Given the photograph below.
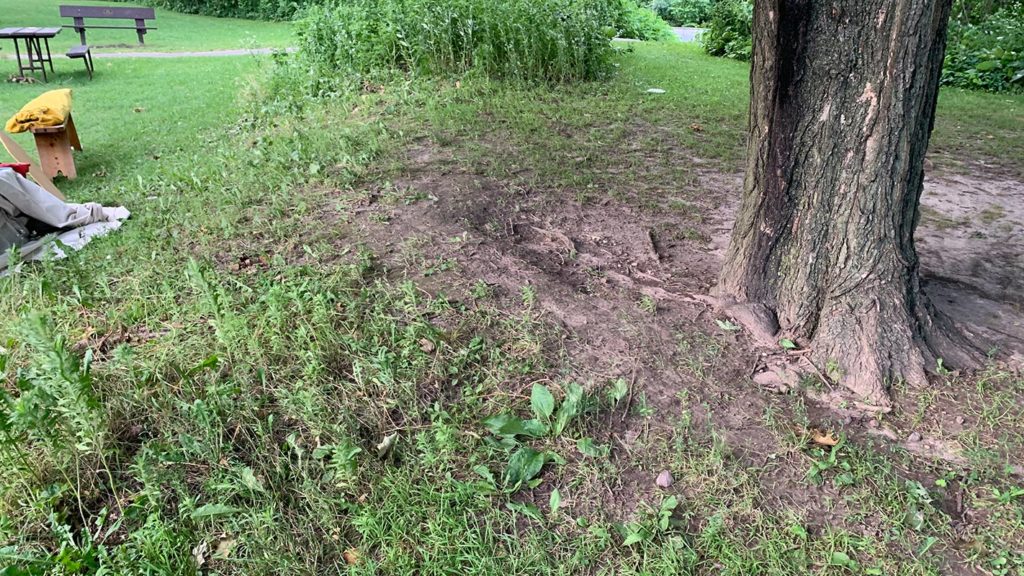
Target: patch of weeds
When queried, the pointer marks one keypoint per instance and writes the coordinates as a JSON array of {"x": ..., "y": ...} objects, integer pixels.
[
  {"x": 481, "y": 290},
  {"x": 656, "y": 524},
  {"x": 395, "y": 195},
  {"x": 992, "y": 214},
  {"x": 528, "y": 294},
  {"x": 700, "y": 353},
  {"x": 683, "y": 207},
  {"x": 692, "y": 234},
  {"x": 828, "y": 463},
  {"x": 440, "y": 265},
  {"x": 938, "y": 220},
  {"x": 648, "y": 305},
  {"x": 380, "y": 218},
  {"x": 525, "y": 463}
]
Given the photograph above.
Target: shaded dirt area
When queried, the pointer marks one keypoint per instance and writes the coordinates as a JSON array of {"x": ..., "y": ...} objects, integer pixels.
[
  {"x": 621, "y": 280},
  {"x": 971, "y": 242}
]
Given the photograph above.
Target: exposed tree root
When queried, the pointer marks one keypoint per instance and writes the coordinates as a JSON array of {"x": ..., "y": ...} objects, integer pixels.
[{"x": 865, "y": 344}]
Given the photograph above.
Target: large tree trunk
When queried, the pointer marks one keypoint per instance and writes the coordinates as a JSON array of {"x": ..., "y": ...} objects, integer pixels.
[{"x": 843, "y": 96}]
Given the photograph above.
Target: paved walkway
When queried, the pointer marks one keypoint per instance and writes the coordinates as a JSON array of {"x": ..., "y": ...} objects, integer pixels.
[
  {"x": 684, "y": 35},
  {"x": 688, "y": 34},
  {"x": 209, "y": 53}
]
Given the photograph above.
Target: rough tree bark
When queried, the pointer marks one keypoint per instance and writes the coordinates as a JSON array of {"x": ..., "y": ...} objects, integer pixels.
[{"x": 843, "y": 96}]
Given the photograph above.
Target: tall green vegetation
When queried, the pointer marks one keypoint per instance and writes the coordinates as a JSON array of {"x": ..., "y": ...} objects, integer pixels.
[
  {"x": 639, "y": 22},
  {"x": 729, "y": 32},
  {"x": 985, "y": 50},
  {"x": 976, "y": 11},
  {"x": 358, "y": 41},
  {"x": 629, "y": 17},
  {"x": 684, "y": 12},
  {"x": 254, "y": 9},
  {"x": 986, "y": 46}
]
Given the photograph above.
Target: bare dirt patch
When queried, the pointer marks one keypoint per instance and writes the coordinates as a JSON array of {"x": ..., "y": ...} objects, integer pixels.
[
  {"x": 971, "y": 242},
  {"x": 615, "y": 277},
  {"x": 620, "y": 280}
]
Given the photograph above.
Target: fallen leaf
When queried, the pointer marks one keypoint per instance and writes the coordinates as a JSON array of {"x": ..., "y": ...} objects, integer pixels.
[
  {"x": 386, "y": 445},
  {"x": 351, "y": 556},
  {"x": 427, "y": 346},
  {"x": 224, "y": 548},
  {"x": 696, "y": 127},
  {"x": 727, "y": 325},
  {"x": 822, "y": 438},
  {"x": 199, "y": 553}
]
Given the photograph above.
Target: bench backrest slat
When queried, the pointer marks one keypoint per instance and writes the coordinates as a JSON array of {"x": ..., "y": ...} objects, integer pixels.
[{"x": 129, "y": 13}]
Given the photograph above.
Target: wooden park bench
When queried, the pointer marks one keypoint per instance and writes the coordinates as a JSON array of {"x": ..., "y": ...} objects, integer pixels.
[{"x": 80, "y": 13}]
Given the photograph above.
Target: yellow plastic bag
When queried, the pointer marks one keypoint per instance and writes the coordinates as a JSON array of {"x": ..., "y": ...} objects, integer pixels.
[{"x": 49, "y": 109}]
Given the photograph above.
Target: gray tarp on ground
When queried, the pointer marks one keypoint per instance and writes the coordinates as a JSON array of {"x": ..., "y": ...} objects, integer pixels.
[{"x": 75, "y": 224}]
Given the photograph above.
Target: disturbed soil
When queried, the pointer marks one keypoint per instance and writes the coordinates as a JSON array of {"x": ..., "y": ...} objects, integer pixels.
[
  {"x": 624, "y": 281},
  {"x": 971, "y": 242}
]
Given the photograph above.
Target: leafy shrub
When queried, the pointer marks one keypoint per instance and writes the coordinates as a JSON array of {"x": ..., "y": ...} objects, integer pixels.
[
  {"x": 684, "y": 12},
  {"x": 255, "y": 9},
  {"x": 977, "y": 11},
  {"x": 530, "y": 40},
  {"x": 639, "y": 22},
  {"x": 730, "y": 31},
  {"x": 988, "y": 55}
]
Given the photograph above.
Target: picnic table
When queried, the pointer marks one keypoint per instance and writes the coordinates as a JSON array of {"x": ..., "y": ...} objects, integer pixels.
[{"x": 34, "y": 38}]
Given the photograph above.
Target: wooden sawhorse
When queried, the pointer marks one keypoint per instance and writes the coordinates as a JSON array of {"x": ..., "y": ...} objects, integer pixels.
[{"x": 54, "y": 144}]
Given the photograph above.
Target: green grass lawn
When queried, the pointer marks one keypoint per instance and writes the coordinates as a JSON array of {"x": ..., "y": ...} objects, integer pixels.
[
  {"x": 215, "y": 380},
  {"x": 139, "y": 113},
  {"x": 175, "y": 32}
]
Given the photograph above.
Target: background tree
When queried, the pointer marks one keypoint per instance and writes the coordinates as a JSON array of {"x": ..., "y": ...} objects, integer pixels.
[{"x": 843, "y": 98}]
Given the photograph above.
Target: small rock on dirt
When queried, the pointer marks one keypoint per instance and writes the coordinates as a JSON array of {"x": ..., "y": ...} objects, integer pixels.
[
  {"x": 915, "y": 437},
  {"x": 664, "y": 479}
]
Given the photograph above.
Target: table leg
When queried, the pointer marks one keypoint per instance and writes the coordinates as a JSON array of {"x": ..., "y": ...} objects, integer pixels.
[
  {"x": 17, "y": 50},
  {"x": 39, "y": 59},
  {"x": 29, "y": 54},
  {"x": 30, "y": 51},
  {"x": 49, "y": 56}
]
